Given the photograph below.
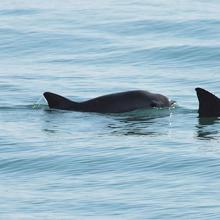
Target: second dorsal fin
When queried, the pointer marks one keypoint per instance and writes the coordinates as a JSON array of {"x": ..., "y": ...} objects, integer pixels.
[{"x": 209, "y": 104}]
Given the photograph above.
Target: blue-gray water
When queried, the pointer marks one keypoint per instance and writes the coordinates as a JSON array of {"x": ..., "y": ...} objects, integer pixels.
[{"x": 161, "y": 164}]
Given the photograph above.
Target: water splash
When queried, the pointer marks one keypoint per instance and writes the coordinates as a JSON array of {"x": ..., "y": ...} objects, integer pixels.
[{"x": 37, "y": 105}]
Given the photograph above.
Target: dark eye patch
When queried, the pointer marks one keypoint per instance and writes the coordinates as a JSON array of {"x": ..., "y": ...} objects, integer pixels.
[{"x": 153, "y": 104}]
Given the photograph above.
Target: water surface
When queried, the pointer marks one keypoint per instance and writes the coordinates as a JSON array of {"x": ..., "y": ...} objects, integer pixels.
[{"x": 161, "y": 164}]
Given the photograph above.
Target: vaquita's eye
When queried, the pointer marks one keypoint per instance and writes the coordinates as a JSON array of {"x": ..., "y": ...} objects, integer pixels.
[{"x": 153, "y": 104}]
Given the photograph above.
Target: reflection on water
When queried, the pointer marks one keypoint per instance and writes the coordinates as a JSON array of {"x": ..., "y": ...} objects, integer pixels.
[
  {"x": 141, "y": 122},
  {"x": 208, "y": 121},
  {"x": 206, "y": 128}
]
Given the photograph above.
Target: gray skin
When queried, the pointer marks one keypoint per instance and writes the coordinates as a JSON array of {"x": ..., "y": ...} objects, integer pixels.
[{"x": 112, "y": 103}]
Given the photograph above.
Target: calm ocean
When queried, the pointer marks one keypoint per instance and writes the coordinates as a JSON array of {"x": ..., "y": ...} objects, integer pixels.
[{"x": 160, "y": 164}]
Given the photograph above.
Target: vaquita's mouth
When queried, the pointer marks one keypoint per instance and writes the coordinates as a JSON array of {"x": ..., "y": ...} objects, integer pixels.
[{"x": 172, "y": 103}]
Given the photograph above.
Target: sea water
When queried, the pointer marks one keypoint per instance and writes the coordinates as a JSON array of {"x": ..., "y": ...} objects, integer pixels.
[{"x": 160, "y": 164}]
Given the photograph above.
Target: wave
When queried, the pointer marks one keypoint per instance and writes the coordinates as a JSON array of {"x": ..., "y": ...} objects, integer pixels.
[
  {"x": 23, "y": 107},
  {"x": 182, "y": 55}
]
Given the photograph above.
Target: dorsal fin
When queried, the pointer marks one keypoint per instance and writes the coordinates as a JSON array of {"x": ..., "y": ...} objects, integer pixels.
[
  {"x": 209, "y": 104},
  {"x": 59, "y": 102}
]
